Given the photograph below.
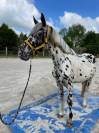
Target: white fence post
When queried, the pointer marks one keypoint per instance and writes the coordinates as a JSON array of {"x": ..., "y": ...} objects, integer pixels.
[
  {"x": 43, "y": 53},
  {"x": 6, "y": 51}
]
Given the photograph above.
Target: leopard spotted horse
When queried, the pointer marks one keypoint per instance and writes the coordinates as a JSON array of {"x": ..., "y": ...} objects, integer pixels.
[{"x": 69, "y": 67}]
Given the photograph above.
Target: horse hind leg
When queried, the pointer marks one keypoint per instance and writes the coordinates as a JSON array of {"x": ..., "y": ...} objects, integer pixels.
[
  {"x": 83, "y": 88},
  {"x": 84, "y": 93},
  {"x": 69, "y": 86}
]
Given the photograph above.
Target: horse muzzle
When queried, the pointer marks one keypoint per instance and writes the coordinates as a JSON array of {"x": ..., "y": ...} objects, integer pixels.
[{"x": 23, "y": 55}]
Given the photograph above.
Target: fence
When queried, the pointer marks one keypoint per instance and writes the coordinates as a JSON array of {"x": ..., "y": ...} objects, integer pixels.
[{"x": 6, "y": 52}]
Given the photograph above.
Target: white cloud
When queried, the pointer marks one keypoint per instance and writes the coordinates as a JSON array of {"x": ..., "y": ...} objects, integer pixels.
[
  {"x": 89, "y": 23},
  {"x": 18, "y": 14}
]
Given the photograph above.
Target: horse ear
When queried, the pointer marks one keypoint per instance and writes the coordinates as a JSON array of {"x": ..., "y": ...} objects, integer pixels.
[
  {"x": 35, "y": 21},
  {"x": 43, "y": 20}
]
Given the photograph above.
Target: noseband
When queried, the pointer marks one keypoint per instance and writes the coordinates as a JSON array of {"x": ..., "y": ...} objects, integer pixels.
[{"x": 34, "y": 49}]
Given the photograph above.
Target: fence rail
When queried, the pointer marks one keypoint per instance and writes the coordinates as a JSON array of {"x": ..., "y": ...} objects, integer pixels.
[{"x": 9, "y": 52}]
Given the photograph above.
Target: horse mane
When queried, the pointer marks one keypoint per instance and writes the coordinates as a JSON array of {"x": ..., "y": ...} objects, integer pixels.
[{"x": 59, "y": 42}]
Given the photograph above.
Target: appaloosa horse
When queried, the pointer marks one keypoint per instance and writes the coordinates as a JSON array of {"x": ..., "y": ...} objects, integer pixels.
[{"x": 68, "y": 66}]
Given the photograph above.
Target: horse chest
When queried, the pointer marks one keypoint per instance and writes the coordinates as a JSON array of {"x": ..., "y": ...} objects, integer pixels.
[{"x": 62, "y": 66}]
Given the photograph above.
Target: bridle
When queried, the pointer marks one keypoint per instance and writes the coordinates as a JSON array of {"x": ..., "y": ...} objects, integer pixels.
[{"x": 46, "y": 38}]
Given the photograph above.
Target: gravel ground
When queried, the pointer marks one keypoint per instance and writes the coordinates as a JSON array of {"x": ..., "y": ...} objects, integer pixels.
[{"x": 13, "y": 76}]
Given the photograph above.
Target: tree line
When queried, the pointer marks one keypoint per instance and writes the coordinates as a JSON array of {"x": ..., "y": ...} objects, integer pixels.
[
  {"x": 80, "y": 40},
  {"x": 10, "y": 40},
  {"x": 76, "y": 37}
]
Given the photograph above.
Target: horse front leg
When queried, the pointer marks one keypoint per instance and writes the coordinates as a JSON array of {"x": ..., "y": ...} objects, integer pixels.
[
  {"x": 69, "y": 86},
  {"x": 61, "y": 94}
]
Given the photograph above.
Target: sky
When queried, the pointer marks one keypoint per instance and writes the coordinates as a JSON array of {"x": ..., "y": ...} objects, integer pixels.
[{"x": 58, "y": 13}]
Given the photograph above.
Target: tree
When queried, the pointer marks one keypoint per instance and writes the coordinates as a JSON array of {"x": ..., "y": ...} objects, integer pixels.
[
  {"x": 91, "y": 43},
  {"x": 8, "y": 38},
  {"x": 74, "y": 36},
  {"x": 63, "y": 32},
  {"x": 22, "y": 37}
]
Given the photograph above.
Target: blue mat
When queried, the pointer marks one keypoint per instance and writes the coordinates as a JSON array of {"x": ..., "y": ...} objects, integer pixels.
[{"x": 40, "y": 116}]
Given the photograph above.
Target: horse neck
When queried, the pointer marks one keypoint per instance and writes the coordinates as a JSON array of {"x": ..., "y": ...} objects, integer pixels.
[
  {"x": 58, "y": 41},
  {"x": 55, "y": 53}
]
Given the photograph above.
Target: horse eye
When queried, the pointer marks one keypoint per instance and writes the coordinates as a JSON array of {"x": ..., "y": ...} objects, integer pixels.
[{"x": 30, "y": 39}]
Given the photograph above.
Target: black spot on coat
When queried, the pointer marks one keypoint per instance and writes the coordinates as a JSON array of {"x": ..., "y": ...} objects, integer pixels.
[
  {"x": 56, "y": 51},
  {"x": 67, "y": 66},
  {"x": 80, "y": 74}
]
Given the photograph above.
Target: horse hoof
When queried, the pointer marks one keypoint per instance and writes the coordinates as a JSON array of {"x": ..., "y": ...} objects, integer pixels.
[
  {"x": 69, "y": 124},
  {"x": 84, "y": 106},
  {"x": 60, "y": 116}
]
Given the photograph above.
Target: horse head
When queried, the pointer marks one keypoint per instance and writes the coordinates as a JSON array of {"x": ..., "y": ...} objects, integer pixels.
[{"x": 36, "y": 40}]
